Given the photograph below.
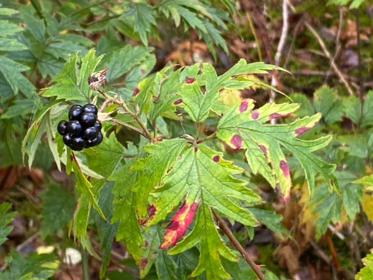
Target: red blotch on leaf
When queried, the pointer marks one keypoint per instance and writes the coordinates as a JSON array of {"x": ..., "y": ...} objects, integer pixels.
[
  {"x": 143, "y": 263},
  {"x": 179, "y": 101},
  {"x": 244, "y": 105},
  {"x": 285, "y": 168},
  {"x": 276, "y": 116},
  {"x": 302, "y": 130},
  {"x": 237, "y": 141},
  {"x": 189, "y": 80},
  {"x": 255, "y": 115},
  {"x": 216, "y": 158},
  {"x": 136, "y": 92},
  {"x": 285, "y": 199},
  {"x": 264, "y": 149},
  {"x": 151, "y": 212},
  {"x": 179, "y": 225}
]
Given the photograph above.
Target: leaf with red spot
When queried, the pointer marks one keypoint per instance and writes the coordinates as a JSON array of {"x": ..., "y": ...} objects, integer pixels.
[
  {"x": 201, "y": 180},
  {"x": 265, "y": 143},
  {"x": 133, "y": 183},
  {"x": 202, "y": 95}
]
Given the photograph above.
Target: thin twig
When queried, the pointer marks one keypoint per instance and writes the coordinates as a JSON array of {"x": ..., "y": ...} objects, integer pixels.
[
  {"x": 337, "y": 38},
  {"x": 121, "y": 103},
  {"x": 326, "y": 52},
  {"x": 227, "y": 231},
  {"x": 280, "y": 47}
]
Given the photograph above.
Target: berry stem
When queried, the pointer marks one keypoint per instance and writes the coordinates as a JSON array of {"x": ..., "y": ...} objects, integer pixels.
[
  {"x": 227, "y": 231},
  {"x": 121, "y": 103}
]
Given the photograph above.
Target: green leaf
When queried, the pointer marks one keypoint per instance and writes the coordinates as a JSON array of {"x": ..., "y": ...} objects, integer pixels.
[
  {"x": 107, "y": 157},
  {"x": 86, "y": 189},
  {"x": 201, "y": 176},
  {"x": 366, "y": 273},
  {"x": 243, "y": 128},
  {"x": 6, "y": 219},
  {"x": 142, "y": 17},
  {"x": 271, "y": 220},
  {"x": 328, "y": 202},
  {"x": 11, "y": 45},
  {"x": 35, "y": 132},
  {"x": 133, "y": 182},
  {"x": 7, "y": 12},
  {"x": 72, "y": 82},
  {"x": 38, "y": 267},
  {"x": 211, "y": 246},
  {"x": 327, "y": 102},
  {"x": 12, "y": 72},
  {"x": 7, "y": 28},
  {"x": 58, "y": 209},
  {"x": 199, "y": 101},
  {"x": 122, "y": 61},
  {"x": 352, "y": 108},
  {"x": 367, "y": 110},
  {"x": 201, "y": 181}
]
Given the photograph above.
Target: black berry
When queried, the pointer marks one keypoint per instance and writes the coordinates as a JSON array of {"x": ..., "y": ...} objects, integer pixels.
[
  {"x": 88, "y": 119},
  {"x": 96, "y": 141},
  {"x": 67, "y": 139},
  {"x": 74, "y": 128},
  {"x": 83, "y": 130},
  {"x": 75, "y": 112},
  {"x": 90, "y": 108},
  {"x": 98, "y": 125},
  {"x": 77, "y": 144},
  {"x": 90, "y": 133},
  {"x": 62, "y": 127}
]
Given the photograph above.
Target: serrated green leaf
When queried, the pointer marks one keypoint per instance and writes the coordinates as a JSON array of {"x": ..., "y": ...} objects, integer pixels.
[
  {"x": 32, "y": 267},
  {"x": 211, "y": 246},
  {"x": 58, "y": 209},
  {"x": 106, "y": 158},
  {"x": 72, "y": 82},
  {"x": 327, "y": 102},
  {"x": 7, "y": 12},
  {"x": 133, "y": 182},
  {"x": 123, "y": 60},
  {"x": 198, "y": 102},
  {"x": 243, "y": 128},
  {"x": 6, "y": 219},
  {"x": 85, "y": 188},
  {"x": 8, "y": 28},
  {"x": 12, "y": 72}
]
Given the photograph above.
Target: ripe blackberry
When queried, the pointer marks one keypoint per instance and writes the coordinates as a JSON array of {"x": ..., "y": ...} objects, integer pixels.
[
  {"x": 90, "y": 133},
  {"x": 62, "y": 127},
  {"x": 96, "y": 141},
  {"x": 74, "y": 128},
  {"x": 83, "y": 130},
  {"x": 77, "y": 144},
  {"x": 75, "y": 112},
  {"x": 88, "y": 119},
  {"x": 90, "y": 108}
]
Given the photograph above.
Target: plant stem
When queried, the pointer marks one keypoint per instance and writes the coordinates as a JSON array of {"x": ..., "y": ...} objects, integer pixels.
[
  {"x": 227, "y": 231},
  {"x": 85, "y": 265},
  {"x": 121, "y": 103}
]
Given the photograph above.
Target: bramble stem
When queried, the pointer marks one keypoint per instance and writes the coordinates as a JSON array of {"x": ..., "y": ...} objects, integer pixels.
[
  {"x": 227, "y": 231},
  {"x": 121, "y": 103}
]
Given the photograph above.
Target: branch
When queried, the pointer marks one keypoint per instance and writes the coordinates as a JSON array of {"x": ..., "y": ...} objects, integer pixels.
[
  {"x": 227, "y": 231},
  {"x": 327, "y": 53},
  {"x": 280, "y": 47},
  {"x": 121, "y": 103}
]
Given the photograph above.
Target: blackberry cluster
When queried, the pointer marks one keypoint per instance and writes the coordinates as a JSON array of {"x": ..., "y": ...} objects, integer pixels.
[{"x": 83, "y": 130}]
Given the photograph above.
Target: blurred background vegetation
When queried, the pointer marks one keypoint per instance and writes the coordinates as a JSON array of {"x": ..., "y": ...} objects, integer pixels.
[{"x": 327, "y": 46}]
